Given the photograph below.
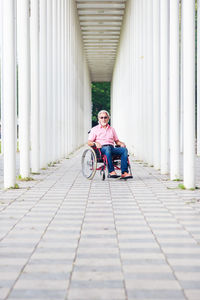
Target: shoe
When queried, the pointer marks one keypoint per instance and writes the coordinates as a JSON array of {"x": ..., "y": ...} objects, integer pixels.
[
  {"x": 126, "y": 176},
  {"x": 114, "y": 175}
]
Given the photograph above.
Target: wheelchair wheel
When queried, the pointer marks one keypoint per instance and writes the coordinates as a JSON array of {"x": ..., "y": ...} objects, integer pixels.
[{"x": 89, "y": 163}]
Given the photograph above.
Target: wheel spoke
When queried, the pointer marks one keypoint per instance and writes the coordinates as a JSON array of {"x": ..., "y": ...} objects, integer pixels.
[{"x": 89, "y": 163}]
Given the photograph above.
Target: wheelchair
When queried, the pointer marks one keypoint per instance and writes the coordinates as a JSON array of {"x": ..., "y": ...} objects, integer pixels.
[{"x": 93, "y": 160}]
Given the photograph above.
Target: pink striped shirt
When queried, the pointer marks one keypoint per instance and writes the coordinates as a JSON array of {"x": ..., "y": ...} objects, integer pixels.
[{"x": 104, "y": 136}]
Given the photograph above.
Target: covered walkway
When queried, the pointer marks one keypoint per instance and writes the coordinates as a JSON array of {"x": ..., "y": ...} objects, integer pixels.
[
  {"x": 64, "y": 237},
  {"x": 52, "y": 50}
]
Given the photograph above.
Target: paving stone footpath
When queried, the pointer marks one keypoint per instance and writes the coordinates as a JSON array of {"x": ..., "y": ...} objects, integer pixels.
[{"x": 65, "y": 237}]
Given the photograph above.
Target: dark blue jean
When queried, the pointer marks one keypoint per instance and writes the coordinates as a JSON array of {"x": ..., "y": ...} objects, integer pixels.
[{"x": 109, "y": 151}]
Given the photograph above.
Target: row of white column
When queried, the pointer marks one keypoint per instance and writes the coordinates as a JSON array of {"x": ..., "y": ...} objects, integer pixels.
[
  {"x": 154, "y": 82},
  {"x": 41, "y": 40}
]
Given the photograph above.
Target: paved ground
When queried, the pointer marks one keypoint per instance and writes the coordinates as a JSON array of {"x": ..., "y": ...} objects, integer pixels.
[{"x": 64, "y": 237}]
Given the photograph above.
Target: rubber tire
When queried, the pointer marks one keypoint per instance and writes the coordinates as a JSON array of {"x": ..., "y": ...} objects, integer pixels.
[{"x": 94, "y": 158}]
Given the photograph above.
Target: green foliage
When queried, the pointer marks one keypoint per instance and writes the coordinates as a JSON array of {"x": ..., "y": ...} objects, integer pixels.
[
  {"x": 181, "y": 186},
  {"x": 16, "y": 186},
  {"x": 100, "y": 99},
  {"x": 177, "y": 179},
  {"x": 24, "y": 178},
  {"x": 51, "y": 164}
]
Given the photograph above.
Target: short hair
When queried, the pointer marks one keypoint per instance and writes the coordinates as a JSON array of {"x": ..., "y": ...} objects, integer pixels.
[{"x": 103, "y": 111}]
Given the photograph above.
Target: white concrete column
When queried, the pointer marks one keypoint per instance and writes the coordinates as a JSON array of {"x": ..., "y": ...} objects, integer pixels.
[
  {"x": 174, "y": 91},
  {"x": 35, "y": 111},
  {"x": 133, "y": 106},
  {"x": 43, "y": 84},
  {"x": 70, "y": 95},
  {"x": 9, "y": 95},
  {"x": 156, "y": 84},
  {"x": 1, "y": 70},
  {"x": 67, "y": 74},
  {"x": 164, "y": 83},
  {"x": 136, "y": 80},
  {"x": 149, "y": 81},
  {"x": 181, "y": 84},
  {"x": 66, "y": 83},
  {"x": 73, "y": 55},
  {"x": 54, "y": 79},
  {"x": 59, "y": 78},
  {"x": 198, "y": 78},
  {"x": 75, "y": 85},
  {"x": 64, "y": 77},
  {"x": 62, "y": 80},
  {"x": 23, "y": 53},
  {"x": 188, "y": 15},
  {"x": 49, "y": 106},
  {"x": 141, "y": 76},
  {"x": 71, "y": 76},
  {"x": 144, "y": 82}
]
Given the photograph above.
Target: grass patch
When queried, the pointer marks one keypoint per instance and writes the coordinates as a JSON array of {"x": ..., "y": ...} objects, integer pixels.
[
  {"x": 25, "y": 178},
  {"x": 178, "y": 179},
  {"x": 51, "y": 165},
  {"x": 181, "y": 186},
  {"x": 55, "y": 162},
  {"x": 15, "y": 187},
  {"x": 195, "y": 188},
  {"x": 192, "y": 201}
]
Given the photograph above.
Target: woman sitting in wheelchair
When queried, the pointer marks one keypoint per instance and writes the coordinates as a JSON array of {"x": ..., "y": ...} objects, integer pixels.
[{"x": 104, "y": 137}]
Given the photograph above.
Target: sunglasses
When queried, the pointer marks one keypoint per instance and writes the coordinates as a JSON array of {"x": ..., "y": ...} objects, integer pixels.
[{"x": 103, "y": 117}]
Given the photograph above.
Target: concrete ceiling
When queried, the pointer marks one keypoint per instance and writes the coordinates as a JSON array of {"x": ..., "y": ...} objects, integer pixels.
[{"x": 100, "y": 23}]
